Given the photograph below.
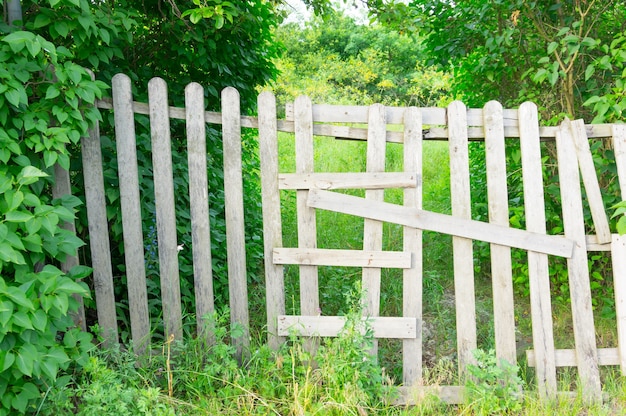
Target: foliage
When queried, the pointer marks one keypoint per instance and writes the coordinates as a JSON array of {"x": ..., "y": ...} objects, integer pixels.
[
  {"x": 493, "y": 387},
  {"x": 336, "y": 61},
  {"x": 620, "y": 211},
  {"x": 46, "y": 105}
]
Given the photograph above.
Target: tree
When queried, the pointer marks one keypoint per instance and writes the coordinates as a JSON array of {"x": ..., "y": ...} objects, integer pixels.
[{"x": 335, "y": 60}]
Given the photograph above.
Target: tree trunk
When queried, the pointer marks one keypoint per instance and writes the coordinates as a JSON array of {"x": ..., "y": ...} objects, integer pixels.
[{"x": 14, "y": 11}]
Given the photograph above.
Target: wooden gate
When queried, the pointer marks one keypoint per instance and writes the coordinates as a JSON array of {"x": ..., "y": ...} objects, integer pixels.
[
  {"x": 323, "y": 191},
  {"x": 457, "y": 125}
]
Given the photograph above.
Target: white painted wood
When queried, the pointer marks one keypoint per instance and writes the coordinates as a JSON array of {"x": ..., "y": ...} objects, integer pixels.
[
  {"x": 99, "y": 246},
  {"x": 593, "y": 245},
  {"x": 538, "y": 271},
  {"x": 307, "y": 230},
  {"x": 272, "y": 225},
  {"x": 412, "y": 278},
  {"x": 235, "y": 224},
  {"x": 199, "y": 209},
  {"x": 590, "y": 180},
  {"x": 446, "y": 224},
  {"x": 331, "y": 326},
  {"x": 373, "y": 229},
  {"x": 349, "y": 180},
  {"x": 577, "y": 267},
  {"x": 60, "y": 188},
  {"x": 165, "y": 211},
  {"x": 619, "y": 147},
  {"x": 618, "y": 258},
  {"x": 462, "y": 247},
  {"x": 567, "y": 357},
  {"x": 131, "y": 212},
  {"x": 498, "y": 202},
  {"x": 344, "y": 258}
]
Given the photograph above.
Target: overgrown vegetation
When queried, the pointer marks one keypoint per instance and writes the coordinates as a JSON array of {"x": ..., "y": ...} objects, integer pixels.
[{"x": 567, "y": 56}]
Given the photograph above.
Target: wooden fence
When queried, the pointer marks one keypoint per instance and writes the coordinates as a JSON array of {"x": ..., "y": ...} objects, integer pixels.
[{"x": 457, "y": 125}]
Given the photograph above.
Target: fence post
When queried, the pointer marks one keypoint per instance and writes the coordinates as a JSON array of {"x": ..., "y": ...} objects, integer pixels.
[
  {"x": 272, "y": 224},
  {"x": 235, "y": 224},
  {"x": 462, "y": 247},
  {"x": 538, "y": 273},
  {"x": 164, "y": 204},
  {"x": 131, "y": 211},
  {"x": 199, "y": 208}
]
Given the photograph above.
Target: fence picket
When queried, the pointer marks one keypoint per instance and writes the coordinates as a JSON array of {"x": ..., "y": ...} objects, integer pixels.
[
  {"x": 165, "y": 211},
  {"x": 538, "y": 273},
  {"x": 131, "y": 212},
  {"x": 498, "y": 200},
  {"x": 462, "y": 248},
  {"x": 99, "y": 245},
  {"x": 307, "y": 234},
  {"x": 272, "y": 224},
  {"x": 412, "y": 283},
  {"x": 199, "y": 208},
  {"x": 577, "y": 266},
  {"x": 235, "y": 224},
  {"x": 372, "y": 229},
  {"x": 618, "y": 247}
]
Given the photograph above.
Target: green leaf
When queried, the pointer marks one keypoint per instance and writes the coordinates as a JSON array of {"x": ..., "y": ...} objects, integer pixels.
[
  {"x": 30, "y": 174},
  {"x": 61, "y": 28},
  {"x": 41, "y": 20},
  {"x": 621, "y": 226},
  {"x": 39, "y": 320},
  {"x": 6, "y": 360},
  {"x": 18, "y": 216},
  {"x": 25, "y": 360},
  {"x": 552, "y": 47},
  {"x": 52, "y": 92},
  {"x": 21, "y": 319},
  {"x": 80, "y": 272},
  {"x": 19, "y": 297}
]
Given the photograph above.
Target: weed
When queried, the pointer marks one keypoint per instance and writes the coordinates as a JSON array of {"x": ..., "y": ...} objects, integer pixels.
[{"x": 493, "y": 387}]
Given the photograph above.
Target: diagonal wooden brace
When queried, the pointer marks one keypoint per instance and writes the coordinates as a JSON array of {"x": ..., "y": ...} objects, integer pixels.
[{"x": 446, "y": 224}]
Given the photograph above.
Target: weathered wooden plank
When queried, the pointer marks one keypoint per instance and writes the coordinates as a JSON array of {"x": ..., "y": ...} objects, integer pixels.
[
  {"x": 99, "y": 246},
  {"x": 462, "y": 247},
  {"x": 345, "y": 258},
  {"x": 165, "y": 211},
  {"x": 618, "y": 247},
  {"x": 349, "y": 180},
  {"x": 432, "y": 116},
  {"x": 577, "y": 267},
  {"x": 412, "y": 283},
  {"x": 538, "y": 271},
  {"x": 131, "y": 212},
  {"x": 235, "y": 224},
  {"x": 417, "y": 395},
  {"x": 590, "y": 180},
  {"x": 498, "y": 202},
  {"x": 567, "y": 357},
  {"x": 618, "y": 258},
  {"x": 593, "y": 245},
  {"x": 199, "y": 209},
  {"x": 60, "y": 188},
  {"x": 307, "y": 231},
  {"x": 441, "y": 223},
  {"x": 373, "y": 229},
  {"x": 331, "y": 326},
  {"x": 272, "y": 225}
]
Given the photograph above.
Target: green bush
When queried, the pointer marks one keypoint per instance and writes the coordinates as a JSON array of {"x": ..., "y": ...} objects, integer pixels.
[{"x": 46, "y": 105}]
